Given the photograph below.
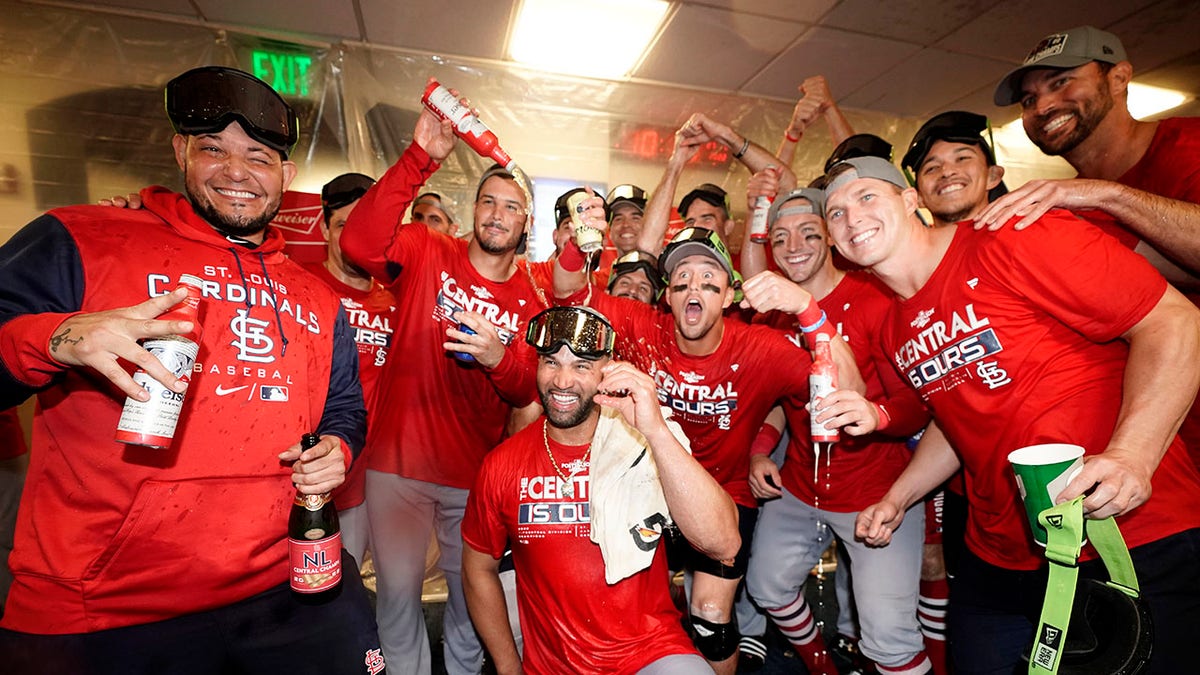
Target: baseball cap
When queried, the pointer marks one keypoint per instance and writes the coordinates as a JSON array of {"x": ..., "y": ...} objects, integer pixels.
[
  {"x": 863, "y": 167},
  {"x": 707, "y": 192},
  {"x": 206, "y": 100},
  {"x": 782, "y": 207},
  {"x": 956, "y": 126},
  {"x": 1069, "y": 49},
  {"x": 860, "y": 145},
  {"x": 699, "y": 241},
  {"x": 436, "y": 200},
  {"x": 626, "y": 193},
  {"x": 632, "y": 262},
  {"x": 345, "y": 189}
]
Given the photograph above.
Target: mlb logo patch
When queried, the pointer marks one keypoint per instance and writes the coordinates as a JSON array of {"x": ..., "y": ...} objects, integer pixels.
[{"x": 273, "y": 393}]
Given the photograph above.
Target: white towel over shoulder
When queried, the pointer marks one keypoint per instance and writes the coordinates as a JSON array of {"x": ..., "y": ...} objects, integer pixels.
[{"x": 626, "y": 503}]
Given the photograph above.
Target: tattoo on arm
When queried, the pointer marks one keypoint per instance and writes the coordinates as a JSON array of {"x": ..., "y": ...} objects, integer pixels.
[{"x": 61, "y": 338}]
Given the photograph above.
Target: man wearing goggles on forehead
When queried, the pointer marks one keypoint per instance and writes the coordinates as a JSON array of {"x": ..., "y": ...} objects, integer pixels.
[
  {"x": 951, "y": 161},
  {"x": 635, "y": 275},
  {"x": 566, "y": 492},
  {"x": 449, "y": 392},
  {"x": 139, "y": 560},
  {"x": 720, "y": 378}
]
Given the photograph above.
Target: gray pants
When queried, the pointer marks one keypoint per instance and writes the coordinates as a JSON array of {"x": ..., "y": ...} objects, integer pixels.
[
  {"x": 12, "y": 482},
  {"x": 402, "y": 513},
  {"x": 886, "y": 579},
  {"x": 678, "y": 664},
  {"x": 356, "y": 534}
]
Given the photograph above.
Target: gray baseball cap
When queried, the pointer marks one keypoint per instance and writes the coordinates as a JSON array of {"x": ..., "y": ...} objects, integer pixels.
[
  {"x": 863, "y": 167},
  {"x": 783, "y": 206},
  {"x": 1069, "y": 49}
]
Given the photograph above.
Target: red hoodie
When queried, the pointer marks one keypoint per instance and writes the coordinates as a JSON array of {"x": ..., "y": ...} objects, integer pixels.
[{"x": 110, "y": 535}]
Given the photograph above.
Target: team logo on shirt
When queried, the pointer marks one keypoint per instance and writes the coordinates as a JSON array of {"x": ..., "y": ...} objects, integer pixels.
[
  {"x": 691, "y": 377},
  {"x": 922, "y": 319},
  {"x": 453, "y": 298},
  {"x": 695, "y": 400},
  {"x": 940, "y": 354}
]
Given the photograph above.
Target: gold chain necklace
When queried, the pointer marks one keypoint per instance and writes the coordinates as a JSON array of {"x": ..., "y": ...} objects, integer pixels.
[{"x": 568, "y": 480}]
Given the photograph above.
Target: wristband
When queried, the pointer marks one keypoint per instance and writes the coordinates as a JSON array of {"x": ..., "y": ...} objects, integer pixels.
[
  {"x": 766, "y": 440},
  {"x": 745, "y": 147},
  {"x": 884, "y": 418},
  {"x": 571, "y": 259},
  {"x": 788, "y": 135},
  {"x": 814, "y": 326}
]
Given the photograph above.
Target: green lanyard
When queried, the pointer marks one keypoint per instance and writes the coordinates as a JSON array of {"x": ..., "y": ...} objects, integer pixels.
[{"x": 1065, "y": 528}]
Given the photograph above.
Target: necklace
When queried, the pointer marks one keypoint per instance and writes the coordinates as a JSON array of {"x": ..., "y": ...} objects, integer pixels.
[{"x": 568, "y": 480}]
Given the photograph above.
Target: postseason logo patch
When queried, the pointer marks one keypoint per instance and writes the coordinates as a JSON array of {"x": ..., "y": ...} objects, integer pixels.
[
  {"x": 1049, "y": 644},
  {"x": 1052, "y": 45}
]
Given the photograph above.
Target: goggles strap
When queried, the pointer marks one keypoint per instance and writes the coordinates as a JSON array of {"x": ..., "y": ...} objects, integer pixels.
[{"x": 1065, "y": 528}]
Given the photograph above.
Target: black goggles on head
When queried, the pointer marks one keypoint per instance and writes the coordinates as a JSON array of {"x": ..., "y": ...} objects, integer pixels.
[
  {"x": 859, "y": 145},
  {"x": 205, "y": 100},
  {"x": 582, "y": 329},
  {"x": 957, "y": 126},
  {"x": 633, "y": 261},
  {"x": 345, "y": 189},
  {"x": 627, "y": 193}
]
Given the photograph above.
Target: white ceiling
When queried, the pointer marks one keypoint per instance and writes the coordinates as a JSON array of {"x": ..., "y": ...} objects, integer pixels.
[{"x": 910, "y": 58}]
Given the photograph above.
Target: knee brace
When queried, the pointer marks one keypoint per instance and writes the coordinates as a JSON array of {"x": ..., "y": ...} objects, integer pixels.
[{"x": 716, "y": 641}]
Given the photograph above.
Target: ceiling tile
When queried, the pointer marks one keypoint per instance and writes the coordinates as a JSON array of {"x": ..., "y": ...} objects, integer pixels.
[
  {"x": 180, "y": 7},
  {"x": 980, "y": 101},
  {"x": 909, "y": 90},
  {"x": 1161, "y": 33},
  {"x": 707, "y": 47},
  {"x": 1011, "y": 28},
  {"x": 311, "y": 17},
  {"x": 464, "y": 27},
  {"x": 847, "y": 60},
  {"x": 916, "y": 21},
  {"x": 795, "y": 10}
]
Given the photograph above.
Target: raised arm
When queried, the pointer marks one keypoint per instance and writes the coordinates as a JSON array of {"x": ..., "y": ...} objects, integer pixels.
[
  {"x": 752, "y": 155},
  {"x": 657, "y": 216},
  {"x": 703, "y": 510},
  {"x": 369, "y": 237},
  {"x": 815, "y": 102}
]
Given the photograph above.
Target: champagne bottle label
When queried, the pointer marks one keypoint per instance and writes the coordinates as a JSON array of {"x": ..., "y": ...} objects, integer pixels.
[
  {"x": 316, "y": 565},
  {"x": 820, "y": 386},
  {"x": 312, "y": 502},
  {"x": 758, "y": 219}
]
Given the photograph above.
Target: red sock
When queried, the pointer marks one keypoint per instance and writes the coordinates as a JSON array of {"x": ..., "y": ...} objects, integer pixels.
[
  {"x": 931, "y": 613},
  {"x": 799, "y": 626}
]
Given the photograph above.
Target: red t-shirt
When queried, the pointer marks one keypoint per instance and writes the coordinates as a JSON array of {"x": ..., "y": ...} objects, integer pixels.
[
  {"x": 1013, "y": 342},
  {"x": 437, "y": 416},
  {"x": 720, "y": 400},
  {"x": 370, "y": 315},
  {"x": 860, "y": 468},
  {"x": 1171, "y": 168},
  {"x": 572, "y": 620}
]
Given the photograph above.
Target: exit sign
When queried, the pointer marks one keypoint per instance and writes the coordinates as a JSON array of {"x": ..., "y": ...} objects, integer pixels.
[{"x": 286, "y": 73}]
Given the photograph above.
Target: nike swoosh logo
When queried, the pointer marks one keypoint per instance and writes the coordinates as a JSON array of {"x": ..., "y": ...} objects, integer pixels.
[{"x": 222, "y": 391}]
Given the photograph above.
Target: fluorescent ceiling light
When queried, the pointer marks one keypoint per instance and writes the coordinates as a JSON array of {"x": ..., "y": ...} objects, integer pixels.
[
  {"x": 1145, "y": 100},
  {"x": 592, "y": 38}
]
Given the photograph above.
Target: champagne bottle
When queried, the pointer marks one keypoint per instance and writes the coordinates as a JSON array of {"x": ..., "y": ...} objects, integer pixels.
[
  {"x": 822, "y": 381},
  {"x": 467, "y": 124},
  {"x": 152, "y": 423},
  {"x": 314, "y": 543}
]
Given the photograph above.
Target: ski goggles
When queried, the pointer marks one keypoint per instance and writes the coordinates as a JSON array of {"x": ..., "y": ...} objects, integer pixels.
[
  {"x": 345, "y": 189},
  {"x": 630, "y": 194},
  {"x": 205, "y": 100},
  {"x": 582, "y": 329},
  {"x": 956, "y": 126},
  {"x": 859, "y": 145},
  {"x": 632, "y": 262}
]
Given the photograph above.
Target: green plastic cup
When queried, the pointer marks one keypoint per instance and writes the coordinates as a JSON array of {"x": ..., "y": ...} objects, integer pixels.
[{"x": 1042, "y": 472}]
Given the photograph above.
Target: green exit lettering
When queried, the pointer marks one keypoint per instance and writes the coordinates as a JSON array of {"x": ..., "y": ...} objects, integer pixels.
[{"x": 286, "y": 73}]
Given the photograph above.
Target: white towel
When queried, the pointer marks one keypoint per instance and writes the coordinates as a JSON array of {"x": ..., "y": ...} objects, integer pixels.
[{"x": 626, "y": 503}]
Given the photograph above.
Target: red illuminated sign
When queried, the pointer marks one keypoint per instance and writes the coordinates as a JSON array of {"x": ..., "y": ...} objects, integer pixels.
[{"x": 654, "y": 144}]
